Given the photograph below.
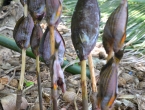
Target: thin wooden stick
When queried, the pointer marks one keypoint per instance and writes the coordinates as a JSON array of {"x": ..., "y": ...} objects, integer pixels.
[
  {"x": 21, "y": 82},
  {"x": 54, "y": 87},
  {"x": 92, "y": 73},
  {"x": 25, "y": 10},
  {"x": 93, "y": 81},
  {"x": 52, "y": 40},
  {"x": 39, "y": 81},
  {"x": 20, "y": 86},
  {"x": 84, "y": 85}
]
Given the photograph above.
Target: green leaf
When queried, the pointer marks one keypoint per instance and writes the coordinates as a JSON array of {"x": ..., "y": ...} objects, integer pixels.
[{"x": 28, "y": 83}]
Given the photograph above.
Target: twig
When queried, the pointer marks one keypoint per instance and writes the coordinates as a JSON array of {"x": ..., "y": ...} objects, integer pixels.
[
  {"x": 2, "y": 16},
  {"x": 138, "y": 102},
  {"x": 28, "y": 88},
  {"x": 46, "y": 104},
  {"x": 126, "y": 97},
  {"x": 68, "y": 105},
  {"x": 76, "y": 108},
  {"x": 78, "y": 76},
  {"x": 12, "y": 76},
  {"x": 6, "y": 27},
  {"x": 6, "y": 72},
  {"x": 10, "y": 86}
]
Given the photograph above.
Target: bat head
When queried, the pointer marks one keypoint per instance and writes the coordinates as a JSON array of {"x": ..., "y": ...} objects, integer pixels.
[{"x": 119, "y": 54}]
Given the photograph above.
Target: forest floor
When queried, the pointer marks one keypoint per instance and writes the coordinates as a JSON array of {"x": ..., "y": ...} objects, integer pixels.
[{"x": 131, "y": 95}]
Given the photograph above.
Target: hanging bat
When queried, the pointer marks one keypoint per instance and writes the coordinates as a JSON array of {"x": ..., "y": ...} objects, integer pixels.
[
  {"x": 36, "y": 9},
  {"x": 44, "y": 48},
  {"x": 108, "y": 86},
  {"x": 115, "y": 29},
  {"x": 58, "y": 76},
  {"x": 22, "y": 31},
  {"x": 53, "y": 11}
]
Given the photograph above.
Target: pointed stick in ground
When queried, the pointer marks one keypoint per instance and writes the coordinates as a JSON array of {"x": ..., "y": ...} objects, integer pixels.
[
  {"x": 93, "y": 81},
  {"x": 39, "y": 82},
  {"x": 20, "y": 86},
  {"x": 84, "y": 85},
  {"x": 54, "y": 87},
  {"x": 52, "y": 39}
]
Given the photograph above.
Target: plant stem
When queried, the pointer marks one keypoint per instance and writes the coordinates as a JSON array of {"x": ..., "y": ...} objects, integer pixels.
[
  {"x": 84, "y": 85},
  {"x": 39, "y": 82},
  {"x": 93, "y": 81},
  {"x": 20, "y": 86}
]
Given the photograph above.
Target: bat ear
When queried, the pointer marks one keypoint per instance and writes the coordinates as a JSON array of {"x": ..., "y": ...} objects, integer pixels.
[
  {"x": 57, "y": 44},
  {"x": 61, "y": 1}
]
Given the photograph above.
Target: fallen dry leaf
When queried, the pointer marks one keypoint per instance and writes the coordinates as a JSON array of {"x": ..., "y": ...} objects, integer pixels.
[
  {"x": 46, "y": 97},
  {"x": 36, "y": 107},
  {"x": 121, "y": 82},
  {"x": 9, "y": 102},
  {"x": 4, "y": 80},
  {"x": 1, "y": 86}
]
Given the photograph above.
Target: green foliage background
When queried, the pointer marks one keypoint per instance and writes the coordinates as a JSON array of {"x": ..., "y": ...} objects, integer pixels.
[{"x": 136, "y": 21}]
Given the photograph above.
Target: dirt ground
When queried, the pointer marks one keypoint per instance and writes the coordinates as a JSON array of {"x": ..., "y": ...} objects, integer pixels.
[{"x": 131, "y": 95}]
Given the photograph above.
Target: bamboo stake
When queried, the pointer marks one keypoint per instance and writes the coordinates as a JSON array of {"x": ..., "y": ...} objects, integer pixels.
[
  {"x": 39, "y": 82},
  {"x": 52, "y": 40},
  {"x": 93, "y": 81},
  {"x": 20, "y": 86},
  {"x": 54, "y": 87},
  {"x": 25, "y": 10},
  {"x": 84, "y": 85},
  {"x": 92, "y": 73}
]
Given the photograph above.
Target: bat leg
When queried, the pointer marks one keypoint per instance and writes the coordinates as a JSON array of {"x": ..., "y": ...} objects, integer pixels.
[{"x": 110, "y": 103}]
